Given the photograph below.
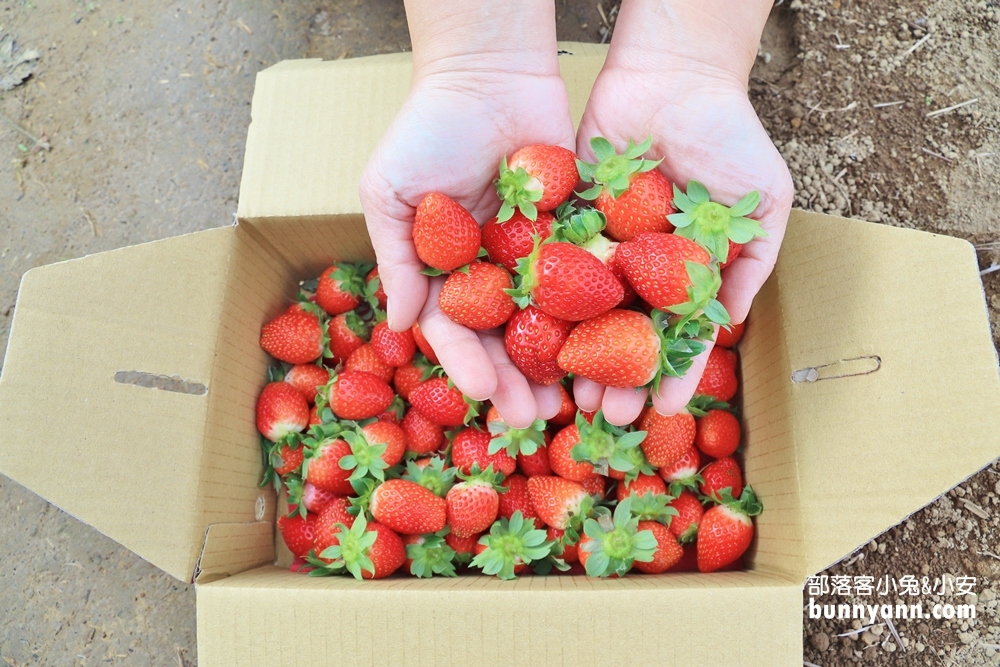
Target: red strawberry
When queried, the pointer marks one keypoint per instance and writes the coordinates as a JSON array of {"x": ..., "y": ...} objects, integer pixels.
[
  {"x": 731, "y": 336},
  {"x": 295, "y": 336},
  {"x": 566, "y": 282},
  {"x": 441, "y": 403},
  {"x": 718, "y": 433},
  {"x": 509, "y": 241},
  {"x": 366, "y": 360},
  {"x": 422, "y": 435},
  {"x": 308, "y": 379},
  {"x": 657, "y": 267},
  {"x": 423, "y": 345},
  {"x": 721, "y": 474},
  {"x": 297, "y": 532},
  {"x": 446, "y": 235},
  {"x": 358, "y": 395},
  {"x": 668, "y": 551},
  {"x": 388, "y": 434},
  {"x": 407, "y": 507},
  {"x": 536, "y": 178},
  {"x": 409, "y": 376},
  {"x": 478, "y": 299},
  {"x": 559, "y": 502},
  {"x": 684, "y": 472},
  {"x": 734, "y": 252},
  {"x": 364, "y": 555},
  {"x": 688, "y": 561},
  {"x": 620, "y": 348},
  {"x": 726, "y": 531},
  {"x": 689, "y": 513},
  {"x": 569, "y": 551},
  {"x": 560, "y": 457},
  {"x": 322, "y": 466},
  {"x": 629, "y": 296},
  {"x": 339, "y": 288},
  {"x": 281, "y": 409},
  {"x": 347, "y": 333},
  {"x": 316, "y": 499},
  {"x": 667, "y": 438},
  {"x": 640, "y": 486},
  {"x": 536, "y": 464},
  {"x": 711, "y": 225},
  {"x": 314, "y": 417},
  {"x": 533, "y": 339},
  {"x": 291, "y": 459},
  {"x": 326, "y": 528},
  {"x": 464, "y": 547},
  {"x": 517, "y": 499},
  {"x": 473, "y": 504},
  {"x": 595, "y": 485},
  {"x": 719, "y": 379},
  {"x": 394, "y": 348},
  {"x": 374, "y": 287},
  {"x": 471, "y": 448},
  {"x": 567, "y": 409}
]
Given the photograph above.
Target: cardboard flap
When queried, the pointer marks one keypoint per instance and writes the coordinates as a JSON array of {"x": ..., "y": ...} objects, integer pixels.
[
  {"x": 893, "y": 394},
  {"x": 112, "y": 430}
]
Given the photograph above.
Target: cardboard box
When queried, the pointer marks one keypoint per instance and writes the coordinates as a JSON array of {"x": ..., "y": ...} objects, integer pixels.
[{"x": 869, "y": 377}]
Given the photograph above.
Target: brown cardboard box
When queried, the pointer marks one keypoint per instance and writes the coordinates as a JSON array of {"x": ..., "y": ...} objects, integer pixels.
[{"x": 145, "y": 363}]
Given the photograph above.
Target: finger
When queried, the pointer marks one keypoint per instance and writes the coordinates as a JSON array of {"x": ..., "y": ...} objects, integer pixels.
[
  {"x": 676, "y": 393},
  {"x": 622, "y": 406},
  {"x": 513, "y": 397},
  {"x": 587, "y": 394},
  {"x": 548, "y": 400},
  {"x": 458, "y": 349}
]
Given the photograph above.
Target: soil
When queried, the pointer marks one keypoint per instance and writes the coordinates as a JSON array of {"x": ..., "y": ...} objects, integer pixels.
[{"x": 137, "y": 114}]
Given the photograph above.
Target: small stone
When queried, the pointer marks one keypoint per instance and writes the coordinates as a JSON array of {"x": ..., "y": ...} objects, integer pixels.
[
  {"x": 966, "y": 637},
  {"x": 820, "y": 641},
  {"x": 873, "y": 546}
]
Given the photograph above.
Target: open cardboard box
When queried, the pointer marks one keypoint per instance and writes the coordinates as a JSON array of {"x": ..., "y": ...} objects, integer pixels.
[{"x": 870, "y": 387}]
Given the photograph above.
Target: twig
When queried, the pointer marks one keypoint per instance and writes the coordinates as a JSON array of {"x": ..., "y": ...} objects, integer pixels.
[
  {"x": 41, "y": 143},
  {"x": 966, "y": 103},
  {"x": 888, "y": 104},
  {"x": 973, "y": 507},
  {"x": 990, "y": 554},
  {"x": 840, "y": 174},
  {"x": 937, "y": 155},
  {"x": 892, "y": 629},
  {"x": 858, "y": 631},
  {"x": 90, "y": 221},
  {"x": 992, "y": 268},
  {"x": 840, "y": 46},
  {"x": 920, "y": 42}
]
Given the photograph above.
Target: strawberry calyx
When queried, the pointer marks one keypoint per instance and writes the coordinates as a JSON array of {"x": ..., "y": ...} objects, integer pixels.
[
  {"x": 351, "y": 553},
  {"x": 295, "y": 487},
  {"x": 518, "y": 190},
  {"x": 431, "y": 555},
  {"x": 351, "y": 278},
  {"x": 484, "y": 477},
  {"x": 516, "y": 440},
  {"x": 711, "y": 224},
  {"x": 606, "y": 446},
  {"x": 747, "y": 503},
  {"x": 525, "y": 279},
  {"x": 577, "y": 225},
  {"x": 511, "y": 543},
  {"x": 434, "y": 476},
  {"x": 615, "y": 543},
  {"x": 653, "y": 507},
  {"x": 692, "y": 484},
  {"x": 699, "y": 405},
  {"x": 612, "y": 172},
  {"x": 320, "y": 435},
  {"x": 365, "y": 458},
  {"x": 705, "y": 283},
  {"x": 681, "y": 340}
]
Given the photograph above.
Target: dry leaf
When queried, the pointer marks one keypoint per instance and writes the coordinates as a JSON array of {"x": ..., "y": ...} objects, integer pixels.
[{"x": 15, "y": 67}]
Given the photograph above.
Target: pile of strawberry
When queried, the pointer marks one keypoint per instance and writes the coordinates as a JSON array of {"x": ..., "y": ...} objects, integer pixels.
[{"x": 386, "y": 464}]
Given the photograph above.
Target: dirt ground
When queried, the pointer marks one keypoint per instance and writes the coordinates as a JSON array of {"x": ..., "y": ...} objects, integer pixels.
[{"x": 131, "y": 129}]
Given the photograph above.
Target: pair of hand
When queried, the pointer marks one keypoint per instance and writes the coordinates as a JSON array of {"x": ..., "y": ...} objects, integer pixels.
[{"x": 452, "y": 132}]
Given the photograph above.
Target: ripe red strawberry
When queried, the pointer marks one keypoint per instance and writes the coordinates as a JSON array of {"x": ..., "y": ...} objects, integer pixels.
[
  {"x": 667, "y": 438},
  {"x": 388, "y": 434},
  {"x": 407, "y": 507},
  {"x": 423, "y": 345},
  {"x": 441, "y": 403},
  {"x": 640, "y": 486},
  {"x": 473, "y": 503},
  {"x": 629, "y": 296},
  {"x": 446, "y": 235},
  {"x": 471, "y": 448},
  {"x": 657, "y": 267},
  {"x": 536, "y": 178},
  {"x": 358, "y": 395},
  {"x": 566, "y": 282},
  {"x": 281, "y": 409},
  {"x": 567, "y": 409},
  {"x": 688, "y": 561},
  {"x": 322, "y": 466},
  {"x": 316, "y": 499},
  {"x": 734, "y": 252},
  {"x": 509, "y": 241},
  {"x": 478, "y": 299},
  {"x": 347, "y": 333},
  {"x": 535, "y": 464},
  {"x": 684, "y": 473},
  {"x": 595, "y": 486},
  {"x": 718, "y": 433},
  {"x": 464, "y": 547},
  {"x": 721, "y": 474},
  {"x": 715, "y": 227},
  {"x": 668, "y": 551},
  {"x": 731, "y": 336},
  {"x": 569, "y": 550},
  {"x": 517, "y": 499},
  {"x": 366, "y": 550},
  {"x": 366, "y": 360},
  {"x": 314, "y": 416},
  {"x": 533, "y": 339},
  {"x": 726, "y": 531},
  {"x": 560, "y": 457},
  {"x": 422, "y": 435},
  {"x": 409, "y": 376},
  {"x": 374, "y": 287},
  {"x": 394, "y": 348},
  {"x": 297, "y": 532},
  {"x": 340, "y": 288},
  {"x": 719, "y": 379},
  {"x": 290, "y": 458},
  {"x": 689, "y": 513},
  {"x": 619, "y": 348},
  {"x": 559, "y": 502},
  {"x": 295, "y": 336},
  {"x": 326, "y": 528},
  {"x": 307, "y": 379}
]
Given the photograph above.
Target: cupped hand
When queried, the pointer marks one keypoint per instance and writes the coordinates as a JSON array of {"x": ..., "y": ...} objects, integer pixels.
[
  {"x": 705, "y": 129},
  {"x": 449, "y": 137}
]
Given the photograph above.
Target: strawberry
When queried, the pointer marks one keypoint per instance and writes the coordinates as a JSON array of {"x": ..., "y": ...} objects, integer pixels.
[
  {"x": 595, "y": 486},
  {"x": 515, "y": 441},
  {"x": 394, "y": 348},
  {"x": 640, "y": 486},
  {"x": 683, "y": 474},
  {"x": 339, "y": 288},
  {"x": 347, "y": 333},
  {"x": 536, "y": 178},
  {"x": 718, "y": 433},
  {"x": 366, "y": 550},
  {"x": 567, "y": 409},
  {"x": 510, "y": 547},
  {"x": 726, "y": 531},
  {"x": 290, "y": 459},
  {"x": 389, "y": 435},
  {"x": 427, "y": 555},
  {"x": 300, "y": 566},
  {"x": 730, "y": 336},
  {"x": 464, "y": 547},
  {"x": 471, "y": 448},
  {"x": 688, "y": 561},
  {"x": 667, "y": 553},
  {"x": 446, "y": 235},
  {"x": 559, "y": 502},
  {"x": 517, "y": 499},
  {"x": 407, "y": 507},
  {"x": 423, "y": 345},
  {"x": 431, "y": 474},
  {"x": 295, "y": 336},
  {"x": 374, "y": 289},
  {"x": 712, "y": 225},
  {"x": 667, "y": 271},
  {"x": 307, "y": 379},
  {"x": 509, "y": 241},
  {"x": 568, "y": 545},
  {"x": 628, "y": 190},
  {"x": 478, "y": 299},
  {"x": 719, "y": 379},
  {"x": 667, "y": 438},
  {"x": 566, "y": 282},
  {"x": 561, "y": 460},
  {"x": 358, "y": 395},
  {"x": 366, "y": 360},
  {"x": 316, "y": 499},
  {"x": 422, "y": 435},
  {"x": 394, "y": 413},
  {"x": 619, "y": 348},
  {"x": 720, "y": 475},
  {"x": 473, "y": 503},
  {"x": 297, "y": 532},
  {"x": 322, "y": 465},
  {"x": 535, "y": 464},
  {"x": 281, "y": 410},
  {"x": 734, "y": 251},
  {"x": 407, "y": 377},
  {"x": 336, "y": 512},
  {"x": 611, "y": 545},
  {"x": 533, "y": 339},
  {"x": 442, "y": 403},
  {"x": 689, "y": 513}
]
